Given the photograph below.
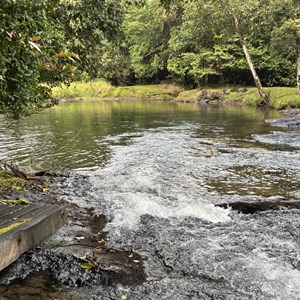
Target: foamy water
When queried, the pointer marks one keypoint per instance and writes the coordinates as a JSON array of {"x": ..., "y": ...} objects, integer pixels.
[
  {"x": 153, "y": 176},
  {"x": 157, "y": 195}
]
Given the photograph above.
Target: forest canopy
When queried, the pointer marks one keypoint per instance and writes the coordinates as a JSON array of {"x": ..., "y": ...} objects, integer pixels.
[
  {"x": 48, "y": 42},
  {"x": 194, "y": 43}
]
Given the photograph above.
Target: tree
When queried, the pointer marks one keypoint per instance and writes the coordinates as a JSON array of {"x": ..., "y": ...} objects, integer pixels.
[
  {"x": 262, "y": 94},
  {"x": 26, "y": 43},
  {"x": 147, "y": 31},
  {"x": 226, "y": 18},
  {"x": 242, "y": 14},
  {"x": 286, "y": 33},
  {"x": 199, "y": 52},
  {"x": 43, "y": 41},
  {"x": 86, "y": 24}
]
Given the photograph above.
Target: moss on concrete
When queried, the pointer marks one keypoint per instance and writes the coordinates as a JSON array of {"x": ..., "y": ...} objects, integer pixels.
[{"x": 14, "y": 225}]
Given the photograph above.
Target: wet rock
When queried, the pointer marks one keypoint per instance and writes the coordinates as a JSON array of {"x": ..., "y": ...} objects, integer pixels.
[
  {"x": 235, "y": 90},
  {"x": 291, "y": 122},
  {"x": 282, "y": 139},
  {"x": 292, "y": 119},
  {"x": 253, "y": 207},
  {"x": 108, "y": 267},
  {"x": 49, "y": 173},
  {"x": 63, "y": 268},
  {"x": 206, "y": 97}
]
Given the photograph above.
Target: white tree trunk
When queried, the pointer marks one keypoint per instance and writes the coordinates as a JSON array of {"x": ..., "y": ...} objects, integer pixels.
[
  {"x": 298, "y": 68},
  {"x": 264, "y": 97}
]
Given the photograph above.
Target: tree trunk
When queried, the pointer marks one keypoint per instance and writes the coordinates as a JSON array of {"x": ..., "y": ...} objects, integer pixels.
[
  {"x": 298, "y": 68},
  {"x": 264, "y": 97}
]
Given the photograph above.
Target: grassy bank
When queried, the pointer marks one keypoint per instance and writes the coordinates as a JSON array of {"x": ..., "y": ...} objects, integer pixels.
[
  {"x": 280, "y": 97},
  {"x": 9, "y": 183},
  {"x": 102, "y": 89}
]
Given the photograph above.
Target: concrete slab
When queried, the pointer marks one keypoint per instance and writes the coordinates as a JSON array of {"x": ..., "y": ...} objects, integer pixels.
[{"x": 23, "y": 227}]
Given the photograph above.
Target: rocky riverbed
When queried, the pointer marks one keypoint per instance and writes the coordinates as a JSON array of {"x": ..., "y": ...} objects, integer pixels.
[
  {"x": 116, "y": 249},
  {"x": 77, "y": 255}
]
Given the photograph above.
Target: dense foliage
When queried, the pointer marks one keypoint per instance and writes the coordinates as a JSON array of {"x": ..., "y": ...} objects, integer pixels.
[
  {"x": 25, "y": 42},
  {"x": 196, "y": 43},
  {"x": 193, "y": 42},
  {"x": 46, "y": 42}
]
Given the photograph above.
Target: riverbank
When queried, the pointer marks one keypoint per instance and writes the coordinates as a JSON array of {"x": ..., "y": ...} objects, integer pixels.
[
  {"x": 280, "y": 97},
  {"x": 77, "y": 254}
]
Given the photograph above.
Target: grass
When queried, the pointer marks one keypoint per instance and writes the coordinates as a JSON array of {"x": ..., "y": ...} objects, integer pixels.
[
  {"x": 102, "y": 89},
  {"x": 91, "y": 89},
  {"x": 8, "y": 182},
  {"x": 155, "y": 91},
  {"x": 284, "y": 98},
  {"x": 280, "y": 97},
  {"x": 189, "y": 95}
]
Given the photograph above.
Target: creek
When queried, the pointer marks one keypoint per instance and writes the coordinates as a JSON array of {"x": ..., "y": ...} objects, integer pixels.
[{"x": 158, "y": 171}]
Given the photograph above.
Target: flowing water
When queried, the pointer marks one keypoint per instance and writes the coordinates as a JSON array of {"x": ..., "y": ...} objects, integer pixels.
[{"x": 158, "y": 171}]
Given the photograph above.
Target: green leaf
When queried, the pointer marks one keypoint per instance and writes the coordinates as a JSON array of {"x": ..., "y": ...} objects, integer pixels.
[
  {"x": 36, "y": 38},
  {"x": 17, "y": 202},
  {"x": 86, "y": 265}
]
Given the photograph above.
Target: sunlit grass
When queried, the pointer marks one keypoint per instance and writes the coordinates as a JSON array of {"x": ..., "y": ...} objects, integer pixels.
[
  {"x": 189, "y": 95},
  {"x": 284, "y": 97},
  {"x": 90, "y": 89},
  {"x": 156, "y": 91},
  {"x": 280, "y": 97},
  {"x": 102, "y": 89}
]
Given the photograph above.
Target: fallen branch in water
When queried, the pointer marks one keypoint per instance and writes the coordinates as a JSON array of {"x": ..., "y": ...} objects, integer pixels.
[{"x": 12, "y": 169}]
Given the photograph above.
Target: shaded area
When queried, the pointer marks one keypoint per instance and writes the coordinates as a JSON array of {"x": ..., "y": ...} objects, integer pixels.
[
  {"x": 40, "y": 285},
  {"x": 253, "y": 207}
]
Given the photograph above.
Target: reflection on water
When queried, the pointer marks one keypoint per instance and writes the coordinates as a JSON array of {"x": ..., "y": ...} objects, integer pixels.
[
  {"x": 37, "y": 286},
  {"x": 73, "y": 135},
  {"x": 250, "y": 180}
]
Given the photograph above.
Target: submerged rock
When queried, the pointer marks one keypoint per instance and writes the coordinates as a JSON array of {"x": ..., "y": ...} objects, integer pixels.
[
  {"x": 64, "y": 268},
  {"x": 292, "y": 119},
  {"x": 253, "y": 207}
]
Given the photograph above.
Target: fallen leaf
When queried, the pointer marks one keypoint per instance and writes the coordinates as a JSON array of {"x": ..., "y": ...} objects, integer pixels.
[{"x": 86, "y": 266}]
